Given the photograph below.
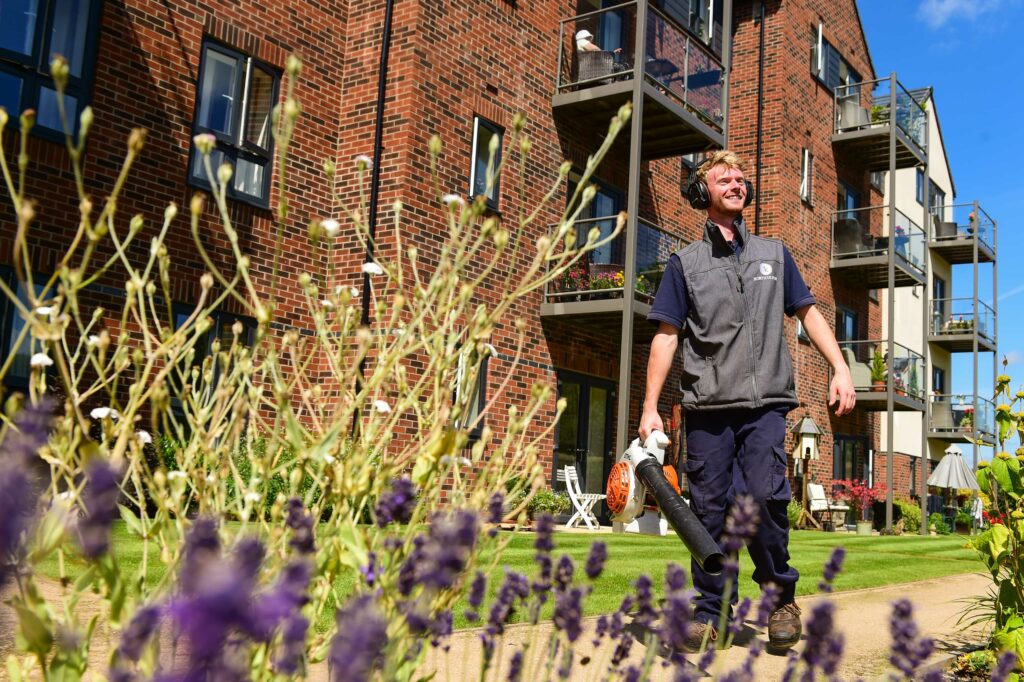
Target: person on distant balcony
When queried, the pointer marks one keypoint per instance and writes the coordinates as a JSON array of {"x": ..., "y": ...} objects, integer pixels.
[
  {"x": 727, "y": 296},
  {"x": 585, "y": 41}
]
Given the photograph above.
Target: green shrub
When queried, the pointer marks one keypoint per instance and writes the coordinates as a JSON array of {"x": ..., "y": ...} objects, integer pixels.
[
  {"x": 939, "y": 523},
  {"x": 793, "y": 510},
  {"x": 911, "y": 514},
  {"x": 548, "y": 501}
]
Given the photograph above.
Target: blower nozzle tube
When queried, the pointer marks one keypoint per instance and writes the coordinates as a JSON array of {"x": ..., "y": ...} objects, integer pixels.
[{"x": 685, "y": 523}]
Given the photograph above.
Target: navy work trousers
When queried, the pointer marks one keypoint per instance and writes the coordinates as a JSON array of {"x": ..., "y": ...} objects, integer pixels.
[{"x": 730, "y": 453}]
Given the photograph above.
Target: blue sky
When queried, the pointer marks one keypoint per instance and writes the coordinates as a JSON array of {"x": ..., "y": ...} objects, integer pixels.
[{"x": 971, "y": 52}]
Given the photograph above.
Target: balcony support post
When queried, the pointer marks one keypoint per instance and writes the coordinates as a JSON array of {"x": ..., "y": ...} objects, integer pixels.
[
  {"x": 623, "y": 428},
  {"x": 926, "y": 380},
  {"x": 891, "y": 294},
  {"x": 976, "y": 328}
]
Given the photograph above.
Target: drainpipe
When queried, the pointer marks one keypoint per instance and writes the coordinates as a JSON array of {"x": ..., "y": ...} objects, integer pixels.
[
  {"x": 378, "y": 133},
  {"x": 759, "y": 16}
]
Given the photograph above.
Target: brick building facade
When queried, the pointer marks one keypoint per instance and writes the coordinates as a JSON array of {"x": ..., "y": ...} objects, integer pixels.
[{"x": 457, "y": 69}]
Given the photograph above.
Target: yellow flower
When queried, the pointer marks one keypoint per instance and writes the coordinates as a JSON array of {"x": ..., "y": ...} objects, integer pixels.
[
  {"x": 1003, "y": 455},
  {"x": 1002, "y": 407},
  {"x": 983, "y": 464},
  {"x": 1003, "y": 379}
]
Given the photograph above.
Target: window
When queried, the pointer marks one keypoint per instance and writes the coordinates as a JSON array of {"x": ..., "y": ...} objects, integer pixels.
[
  {"x": 846, "y": 201},
  {"x": 486, "y": 136},
  {"x": 938, "y": 380},
  {"x": 11, "y": 326},
  {"x": 806, "y": 174},
  {"x": 848, "y": 460},
  {"x": 936, "y": 199},
  {"x": 235, "y": 97},
  {"x": 919, "y": 187},
  {"x": 32, "y": 32},
  {"x": 601, "y": 212},
  {"x": 477, "y": 393},
  {"x": 691, "y": 161},
  {"x": 828, "y": 65},
  {"x": 877, "y": 178},
  {"x": 846, "y": 324}
]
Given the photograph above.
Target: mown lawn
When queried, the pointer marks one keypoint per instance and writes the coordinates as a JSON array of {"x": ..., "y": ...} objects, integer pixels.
[{"x": 870, "y": 562}]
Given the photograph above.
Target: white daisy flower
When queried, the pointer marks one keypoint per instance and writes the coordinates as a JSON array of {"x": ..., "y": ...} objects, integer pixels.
[
  {"x": 331, "y": 227},
  {"x": 175, "y": 475},
  {"x": 92, "y": 340},
  {"x": 372, "y": 268},
  {"x": 328, "y": 459},
  {"x": 450, "y": 199},
  {"x": 40, "y": 360},
  {"x": 144, "y": 437},
  {"x": 253, "y": 497},
  {"x": 327, "y": 304},
  {"x": 44, "y": 310},
  {"x": 104, "y": 412},
  {"x": 381, "y": 406},
  {"x": 365, "y": 161}
]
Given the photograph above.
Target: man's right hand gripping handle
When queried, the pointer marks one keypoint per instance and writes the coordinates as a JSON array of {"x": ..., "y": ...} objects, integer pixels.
[{"x": 650, "y": 421}]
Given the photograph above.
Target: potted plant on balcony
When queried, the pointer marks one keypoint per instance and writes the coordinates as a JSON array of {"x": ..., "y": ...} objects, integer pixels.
[
  {"x": 913, "y": 385},
  {"x": 967, "y": 422},
  {"x": 608, "y": 280},
  {"x": 860, "y": 497},
  {"x": 877, "y": 371},
  {"x": 574, "y": 279}
]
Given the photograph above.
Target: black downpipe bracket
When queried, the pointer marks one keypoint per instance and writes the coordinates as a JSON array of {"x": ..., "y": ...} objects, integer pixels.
[
  {"x": 759, "y": 14},
  {"x": 683, "y": 521}
]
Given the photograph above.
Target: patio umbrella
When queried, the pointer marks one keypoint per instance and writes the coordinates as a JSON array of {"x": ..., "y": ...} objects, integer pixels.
[{"x": 953, "y": 472}]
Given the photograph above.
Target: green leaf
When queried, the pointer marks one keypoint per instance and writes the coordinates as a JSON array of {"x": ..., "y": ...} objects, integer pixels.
[
  {"x": 1006, "y": 424},
  {"x": 86, "y": 579},
  {"x": 1009, "y": 602},
  {"x": 33, "y": 635},
  {"x": 131, "y": 520},
  {"x": 352, "y": 540},
  {"x": 1012, "y": 640},
  {"x": 1001, "y": 473},
  {"x": 48, "y": 535},
  {"x": 984, "y": 481},
  {"x": 999, "y": 541},
  {"x": 13, "y": 669}
]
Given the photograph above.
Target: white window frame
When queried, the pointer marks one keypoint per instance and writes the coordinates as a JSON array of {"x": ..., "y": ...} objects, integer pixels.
[
  {"x": 806, "y": 175},
  {"x": 479, "y": 389},
  {"x": 495, "y": 189},
  {"x": 818, "y": 54}
]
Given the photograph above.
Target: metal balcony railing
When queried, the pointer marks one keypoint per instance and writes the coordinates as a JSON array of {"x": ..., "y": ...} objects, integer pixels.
[
  {"x": 854, "y": 111},
  {"x": 675, "y": 60},
  {"x": 955, "y": 414},
  {"x": 953, "y": 222},
  {"x": 601, "y": 275},
  {"x": 956, "y": 316},
  {"x": 869, "y": 367},
  {"x": 864, "y": 233}
]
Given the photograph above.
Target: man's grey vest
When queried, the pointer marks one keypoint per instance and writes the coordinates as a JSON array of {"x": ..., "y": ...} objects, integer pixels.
[{"x": 734, "y": 349}]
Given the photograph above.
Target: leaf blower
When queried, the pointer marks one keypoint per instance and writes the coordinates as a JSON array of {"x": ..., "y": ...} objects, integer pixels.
[{"x": 639, "y": 475}]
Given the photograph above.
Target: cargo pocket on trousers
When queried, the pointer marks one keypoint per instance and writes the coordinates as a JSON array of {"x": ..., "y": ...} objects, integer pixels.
[
  {"x": 694, "y": 481},
  {"x": 780, "y": 489}
]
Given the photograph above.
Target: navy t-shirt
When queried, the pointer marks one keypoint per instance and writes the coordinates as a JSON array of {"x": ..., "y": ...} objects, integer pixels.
[{"x": 671, "y": 303}]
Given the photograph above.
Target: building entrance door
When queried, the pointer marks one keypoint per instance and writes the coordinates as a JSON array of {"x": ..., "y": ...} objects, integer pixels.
[{"x": 584, "y": 434}]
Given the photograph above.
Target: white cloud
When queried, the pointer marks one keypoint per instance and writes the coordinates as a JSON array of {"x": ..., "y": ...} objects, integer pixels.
[
  {"x": 935, "y": 13},
  {"x": 1014, "y": 357}
]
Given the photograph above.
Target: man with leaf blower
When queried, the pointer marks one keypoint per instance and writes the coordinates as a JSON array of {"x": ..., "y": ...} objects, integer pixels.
[{"x": 726, "y": 296}]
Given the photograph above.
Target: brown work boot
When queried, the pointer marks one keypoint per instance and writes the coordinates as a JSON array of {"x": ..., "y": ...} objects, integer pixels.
[
  {"x": 699, "y": 636},
  {"x": 784, "y": 626}
]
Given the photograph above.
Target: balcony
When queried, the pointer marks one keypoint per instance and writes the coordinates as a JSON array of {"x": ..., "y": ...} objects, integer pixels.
[
  {"x": 860, "y": 248},
  {"x": 870, "y": 369},
  {"x": 865, "y": 124},
  {"x": 959, "y": 417},
  {"x": 591, "y": 292},
  {"x": 967, "y": 226},
  {"x": 955, "y": 325},
  {"x": 682, "y": 81}
]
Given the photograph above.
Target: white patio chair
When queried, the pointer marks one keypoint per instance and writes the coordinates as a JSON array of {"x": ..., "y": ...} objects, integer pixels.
[
  {"x": 582, "y": 502},
  {"x": 817, "y": 503}
]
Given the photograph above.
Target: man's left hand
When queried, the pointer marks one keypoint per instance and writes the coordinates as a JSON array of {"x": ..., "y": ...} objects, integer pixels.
[{"x": 841, "y": 391}]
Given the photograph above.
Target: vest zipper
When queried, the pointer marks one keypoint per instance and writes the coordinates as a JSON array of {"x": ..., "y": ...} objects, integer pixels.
[{"x": 750, "y": 331}]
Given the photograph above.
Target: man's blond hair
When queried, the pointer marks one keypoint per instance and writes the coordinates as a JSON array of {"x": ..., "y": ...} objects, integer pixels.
[{"x": 723, "y": 157}]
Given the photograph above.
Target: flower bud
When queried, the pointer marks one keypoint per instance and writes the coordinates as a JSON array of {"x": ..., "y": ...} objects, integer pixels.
[
  {"x": 330, "y": 168},
  {"x": 564, "y": 169},
  {"x": 501, "y": 238},
  {"x": 543, "y": 244},
  {"x": 224, "y": 173},
  {"x": 293, "y": 65},
  {"x": 59, "y": 71},
  {"x": 197, "y": 202},
  {"x": 171, "y": 212},
  {"x": 205, "y": 142},
  {"x": 518, "y": 122},
  {"x": 304, "y": 279},
  {"x": 136, "y": 140},
  {"x": 135, "y": 224},
  {"x": 4, "y": 117},
  {"x": 27, "y": 120},
  {"x": 435, "y": 145},
  {"x": 85, "y": 120},
  {"x": 206, "y": 281},
  {"x": 525, "y": 145},
  {"x": 292, "y": 109}
]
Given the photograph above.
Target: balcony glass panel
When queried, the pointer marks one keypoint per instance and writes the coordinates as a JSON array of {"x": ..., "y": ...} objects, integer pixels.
[
  {"x": 956, "y": 413},
  {"x": 868, "y": 364},
  {"x": 958, "y": 221},
  {"x": 864, "y": 233},
  {"x": 956, "y": 316},
  {"x": 854, "y": 112},
  {"x": 601, "y": 272}
]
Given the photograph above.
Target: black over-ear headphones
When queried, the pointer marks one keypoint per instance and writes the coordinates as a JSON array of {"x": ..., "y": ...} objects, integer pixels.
[{"x": 697, "y": 192}]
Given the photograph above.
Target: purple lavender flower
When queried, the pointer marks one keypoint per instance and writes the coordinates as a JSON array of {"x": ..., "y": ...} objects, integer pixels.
[
  {"x": 19, "y": 490},
  {"x": 824, "y": 646},
  {"x": 908, "y": 650},
  {"x": 443, "y": 556},
  {"x": 622, "y": 649},
  {"x": 568, "y": 615},
  {"x": 99, "y": 501},
  {"x": 138, "y": 631},
  {"x": 248, "y": 557},
  {"x": 281, "y": 602},
  {"x": 707, "y": 658},
  {"x": 407, "y": 571},
  {"x": 1004, "y": 666},
  {"x": 600, "y": 629},
  {"x": 370, "y": 571},
  {"x": 790, "y": 672},
  {"x": 441, "y": 629},
  {"x": 476, "y": 596},
  {"x": 293, "y": 645},
  {"x": 631, "y": 673},
  {"x": 767, "y": 605},
  {"x": 738, "y": 616},
  {"x": 645, "y": 612},
  {"x": 832, "y": 568},
  {"x": 396, "y": 505},
  {"x": 496, "y": 507},
  {"x": 617, "y": 621},
  {"x": 675, "y": 577},
  {"x": 745, "y": 673},
  {"x": 515, "y": 586},
  {"x": 565, "y": 665},
  {"x": 676, "y": 614},
  {"x": 563, "y": 573},
  {"x": 545, "y": 527},
  {"x": 515, "y": 667},
  {"x": 740, "y": 524},
  {"x": 301, "y": 523},
  {"x": 595, "y": 560},
  {"x": 358, "y": 647}
]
